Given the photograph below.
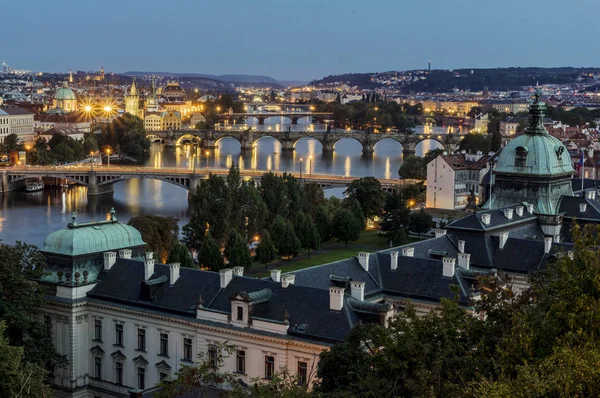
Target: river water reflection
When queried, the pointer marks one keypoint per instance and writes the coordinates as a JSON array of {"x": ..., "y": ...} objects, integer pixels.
[{"x": 29, "y": 217}]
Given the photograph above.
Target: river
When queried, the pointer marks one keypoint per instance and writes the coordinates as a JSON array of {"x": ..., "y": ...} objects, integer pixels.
[{"x": 30, "y": 217}]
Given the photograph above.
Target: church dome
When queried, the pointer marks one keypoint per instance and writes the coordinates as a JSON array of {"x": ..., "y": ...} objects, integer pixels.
[
  {"x": 65, "y": 93},
  {"x": 535, "y": 152},
  {"x": 94, "y": 237},
  {"x": 173, "y": 91}
]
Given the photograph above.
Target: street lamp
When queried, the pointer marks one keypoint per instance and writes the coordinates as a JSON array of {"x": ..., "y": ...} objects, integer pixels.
[
  {"x": 108, "y": 151},
  {"x": 301, "y": 162},
  {"x": 310, "y": 165},
  {"x": 207, "y": 153}
]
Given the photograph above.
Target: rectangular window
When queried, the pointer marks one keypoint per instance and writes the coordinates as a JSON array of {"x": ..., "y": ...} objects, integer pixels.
[
  {"x": 213, "y": 359},
  {"x": 98, "y": 367},
  {"x": 187, "y": 349},
  {"x": 119, "y": 372},
  {"x": 164, "y": 344},
  {"x": 141, "y": 339},
  {"x": 97, "y": 329},
  {"x": 240, "y": 313},
  {"x": 302, "y": 373},
  {"x": 141, "y": 376},
  {"x": 269, "y": 367},
  {"x": 48, "y": 325},
  {"x": 119, "y": 334},
  {"x": 240, "y": 361}
]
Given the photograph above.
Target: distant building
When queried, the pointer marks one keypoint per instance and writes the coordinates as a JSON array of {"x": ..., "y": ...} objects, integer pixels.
[
  {"x": 452, "y": 177},
  {"x": 17, "y": 121},
  {"x": 74, "y": 121},
  {"x": 132, "y": 101},
  {"x": 508, "y": 127},
  {"x": 64, "y": 99},
  {"x": 152, "y": 98},
  {"x": 481, "y": 123},
  {"x": 171, "y": 120},
  {"x": 197, "y": 118},
  {"x": 153, "y": 121}
]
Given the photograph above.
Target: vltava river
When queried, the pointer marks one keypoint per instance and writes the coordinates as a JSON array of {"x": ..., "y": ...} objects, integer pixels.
[{"x": 29, "y": 217}]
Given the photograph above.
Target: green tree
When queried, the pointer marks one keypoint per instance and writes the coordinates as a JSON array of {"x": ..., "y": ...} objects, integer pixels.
[
  {"x": 395, "y": 221},
  {"x": 356, "y": 209},
  {"x": 285, "y": 239},
  {"x": 420, "y": 221},
  {"x": 413, "y": 167},
  {"x": 496, "y": 141},
  {"x": 210, "y": 208},
  {"x": 236, "y": 251},
  {"x": 346, "y": 227},
  {"x": 20, "y": 307},
  {"x": 180, "y": 254},
  {"x": 273, "y": 191},
  {"x": 307, "y": 232},
  {"x": 265, "y": 251},
  {"x": 322, "y": 221},
  {"x": 368, "y": 192},
  {"x": 210, "y": 254},
  {"x": 159, "y": 233},
  {"x": 90, "y": 143},
  {"x": 10, "y": 144},
  {"x": 475, "y": 142},
  {"x": 39, "y": 154}
]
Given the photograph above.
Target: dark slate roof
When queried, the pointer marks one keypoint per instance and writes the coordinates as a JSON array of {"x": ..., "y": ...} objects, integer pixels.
[
  {"x": 518, "y": 255},
  {"x": 497, "y": 220},
  {"x": 587, "y": 183},
  {"x": 570, "y": 206},
  {"x": 13, "y": 110}
]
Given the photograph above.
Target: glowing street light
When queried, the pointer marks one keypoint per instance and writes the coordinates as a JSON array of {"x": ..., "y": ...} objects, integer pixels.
[
  {"x": 301, "y": 163},
  {"x": 108, "y": 108},
  {"x": 207, "y": 153},
  {"x": 87, "y": 108},
  {"x": 108, "y": 151},
  {"x": 310, "y": 165}
]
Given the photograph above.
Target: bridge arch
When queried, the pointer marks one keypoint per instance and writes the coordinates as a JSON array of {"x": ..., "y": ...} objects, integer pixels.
[
  {"x": 255, "y": 142},
  {"x": 306, "y": 138},
  {"x": 348, "y": 138},
  {"x": 182, "y": 182},
  {"x": 422, "y": 141},
  {"x": 154, "y": 138},
  {"x": 393, "y": 139},
  {"x": 236, "y": 138},
  {"x": 188, "y": 137}
]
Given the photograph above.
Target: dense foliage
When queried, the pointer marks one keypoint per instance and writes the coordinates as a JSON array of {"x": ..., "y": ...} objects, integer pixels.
[
  {"x": 126, "y": 135},
  {"x": 159, "y": 233},
  {"x": 369, "y": 114}
]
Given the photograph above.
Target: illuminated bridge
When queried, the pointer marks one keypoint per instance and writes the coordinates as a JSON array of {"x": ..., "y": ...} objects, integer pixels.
[
  {"x": 209, "y": 139},
  {"x": 320, "y": 117},
  {"x": 100, "y": 180}
]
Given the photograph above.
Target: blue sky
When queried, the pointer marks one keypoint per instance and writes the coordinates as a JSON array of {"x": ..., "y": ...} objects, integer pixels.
[{"x": 297, "y": 39}]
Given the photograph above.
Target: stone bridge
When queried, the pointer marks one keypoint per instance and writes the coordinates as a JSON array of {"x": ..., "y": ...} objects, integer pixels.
[
  {"x": 209, "y": 139},
  {"x": 320, "y": 117},
  {"x": 100, "y": 180}
]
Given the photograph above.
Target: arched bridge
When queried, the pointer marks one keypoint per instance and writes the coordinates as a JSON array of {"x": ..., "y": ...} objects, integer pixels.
[
  {"x": 262, "y": 116},
  {"x": 209, "y": 139},
  {"x": 101, "y": 179}
]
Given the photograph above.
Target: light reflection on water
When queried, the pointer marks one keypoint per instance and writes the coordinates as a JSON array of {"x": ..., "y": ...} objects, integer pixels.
[{"x": 30, "y": 217}]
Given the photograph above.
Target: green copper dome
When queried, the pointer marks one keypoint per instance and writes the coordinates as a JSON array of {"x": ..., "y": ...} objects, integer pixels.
[
  {"x": 94, "y": 237},
  {"x": 64, "y": 93}
]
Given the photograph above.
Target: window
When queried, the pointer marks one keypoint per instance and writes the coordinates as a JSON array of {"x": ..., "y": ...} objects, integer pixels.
[
  {"x": 302, "y": 373},
  {"x": 187, "y": 349},
  {"x": 141, "y": 376},
  {"x": 119, "y": 334},
  {"x": 240, "y": 361},
  {"x": 141, "y": 339},
  {"x": 119, "y": 372},
  {"x": 164, "y": 344},
  {"x": 97, "y": 329},
  {"x": 212, "y": 356},
  {"x": 48, "y": 325},
  {"x": 269, "y": 367},
  {"x": 162, "y": 376},
  {"x": 240, "y": 313},
  {"x": 98, "y": 367},
  {"x": 521, "y": 157}
]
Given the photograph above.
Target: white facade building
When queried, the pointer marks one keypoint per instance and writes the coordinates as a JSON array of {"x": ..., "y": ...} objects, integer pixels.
[
  {"x": 19, "y": 121},
  {"x": 450, "y": 179}
]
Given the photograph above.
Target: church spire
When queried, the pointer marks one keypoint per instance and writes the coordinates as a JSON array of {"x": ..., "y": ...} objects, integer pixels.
[
  {"x": 536, "y": 114},
  {"x": 133, "y": 91}
]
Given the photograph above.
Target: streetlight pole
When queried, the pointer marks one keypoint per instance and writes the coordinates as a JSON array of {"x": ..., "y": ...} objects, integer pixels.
[
  {"x": 108, "y": 156},
  {"x": 310, "y": 165},
  {"x": 207, "y": 153},
  {"x": 300, "y": 169}
]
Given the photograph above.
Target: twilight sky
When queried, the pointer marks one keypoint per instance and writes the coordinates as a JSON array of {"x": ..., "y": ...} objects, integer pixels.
[{"x": 296, "y": 39}]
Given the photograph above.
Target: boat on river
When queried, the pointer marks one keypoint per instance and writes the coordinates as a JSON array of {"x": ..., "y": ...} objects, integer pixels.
[{"x": 34, "y": 186}]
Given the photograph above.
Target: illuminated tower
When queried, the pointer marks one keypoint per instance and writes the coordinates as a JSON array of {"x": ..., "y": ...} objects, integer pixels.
[
  {"x": 132, "y": 101},
  {"x": 152, "y": 99},
  {"x": 102, "y": 73},
  {"x": 70, "y": 76}
]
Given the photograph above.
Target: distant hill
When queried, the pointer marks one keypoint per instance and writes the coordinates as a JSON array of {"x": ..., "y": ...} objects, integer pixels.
[
  {"x": 495, "y": 79},
  {"x": 248, "y": 79}
]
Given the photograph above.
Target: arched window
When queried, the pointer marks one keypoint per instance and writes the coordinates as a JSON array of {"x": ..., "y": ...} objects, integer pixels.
[{"x": 521, "y": 156}]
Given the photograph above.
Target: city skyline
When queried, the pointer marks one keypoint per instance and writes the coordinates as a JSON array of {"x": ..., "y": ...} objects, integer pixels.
[{"x": 301, "y": 41}]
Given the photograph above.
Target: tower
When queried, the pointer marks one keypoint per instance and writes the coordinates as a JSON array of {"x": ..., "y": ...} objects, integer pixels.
[
  {"x": 132, "y": 101},
  {"x": 102, "y": 73},
  {"x": 70, "y": 76},
  {"x": 152, "y": 99}
]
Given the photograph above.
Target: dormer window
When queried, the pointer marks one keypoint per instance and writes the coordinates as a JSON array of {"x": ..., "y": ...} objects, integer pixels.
[
  {"x": 521, "y": 156},
  {"x": 240, "y": 314}
]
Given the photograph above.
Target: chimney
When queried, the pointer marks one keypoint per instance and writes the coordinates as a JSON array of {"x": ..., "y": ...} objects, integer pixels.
[
  {"x": 357, "y": 290},
  {"x": 530, "y": 208},
  {"x": 519, "y": 211},
  {"x": 173, "y": 273},
  {"x": 336, "y": 298},
  {"x": 508, "y": 213},
  {"x": 547, "y": 244},
  {"x": 590, "y": 153},
  {"x": 408, "y": 252},
  {"x": 448, "y": 267},
  {"x": 461, "y": 246},
  {"x": 394, "y": 260},
  {"x": 464, "y": 260},
  {"x": 363, "y": 259},
  {"x": 439, "y": 232},
  {"x": 503, "y": 238},
  {"x": 276, "y": 275},
  {"x": 485, "y": 218},
  {"x": 148, "y": 265},
  {"x": 225, "y": 277},
  {"x": 238, "y": 271},
  {"x": 591, "y": 195},
  {"x": 109, "y": 260},
  {"x": 125, "y": 253},
  {"x": 287, "y": 280},
  {"x": 582, "y": 207}
]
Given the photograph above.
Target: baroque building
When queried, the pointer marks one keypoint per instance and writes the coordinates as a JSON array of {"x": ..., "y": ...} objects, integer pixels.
[{"x": 65, "y": 100}]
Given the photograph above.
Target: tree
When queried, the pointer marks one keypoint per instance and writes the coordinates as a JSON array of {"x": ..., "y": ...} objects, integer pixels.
[
  {"x": 273, "y": 191},
  {"x": 345, "y": 226},
  {"x": 10, "y": 144},
  {"x": 210, "y": 254},
  {"x": 159, "y": 233},
  {"x": 475, "y": 142},
  {"x": 307, "y": 232},
  {"x": 396, "y": 218},
  {"x": 236, "y": 251},
  {"x": 412, "y": 167},
  {"x": 90, "y": 144},
  {"x": 368, "y": 192},
  {"x": 265, "y": 251},
  {"x": 39, "y": 154},
  {"x": 322, "y": 221},
  {"x": 285, "y": 239},
  {"x": 180, "y": 254},
  {"x": 496, "y": 142},
  {"x": 20, "y": 307},
  {"x": 420, "y": 221},
  {"x": 355, "y": 208}
]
